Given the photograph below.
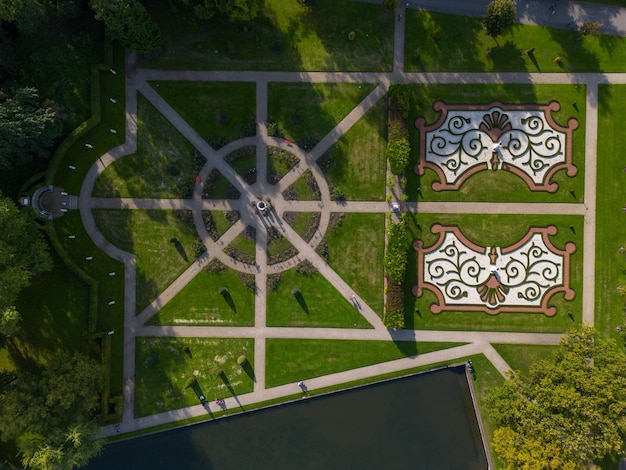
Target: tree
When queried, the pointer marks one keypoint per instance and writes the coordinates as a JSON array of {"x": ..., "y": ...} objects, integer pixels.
[
  {"x": 9, "y": 321},
  {"x": 390, "y": 5},
  {"x": 129, "y": 22},
  {"x": 499, "y": 17},
  {"x": 396, "y": 253},
  {"x": 46, "y": 412},
  {"x": 590, "y": 28},
  {"x": 26, "y": 128},
  {"x": 30, "y": 15},
  {"x": 398, "y": 152},
  {"x": 235, "y": 10},
  {"x": 567, "y": 411}
]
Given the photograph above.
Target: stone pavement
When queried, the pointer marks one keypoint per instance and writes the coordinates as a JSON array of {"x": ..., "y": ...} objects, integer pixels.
[{"x": 476, "y": 342}]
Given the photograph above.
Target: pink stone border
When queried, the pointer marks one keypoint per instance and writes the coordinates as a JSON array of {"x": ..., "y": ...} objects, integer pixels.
[
  {"x": 441, "y": 305},
  {"x": 546, "y": 185}
]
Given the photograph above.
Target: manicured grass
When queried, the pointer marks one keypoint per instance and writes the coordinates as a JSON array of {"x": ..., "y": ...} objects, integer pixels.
[
  {"x": 109, "y": 317},
  {"x": 54, "y": 311},
  {"x": 302, "y": 222},
  {"x": 318, "y": 305},
  {"x": 356, "y": 253},
  {"x": 442, "y": 42},
  {"x": 161, "y": 386},
  {"x": 522, "y": 356},
  {"x": 291, "y": 360},
  {"x": 610, "y": 230},
  {"x": 221, "y": 222},
  {"x": 309, "y": 111},
  {"x": 286, "y": 36},
  {"x": 162, "y": 167},
  {"x": 277, "y": 246},
  {"x": 215, "y": 109},
  {"x": 495, "y": 230},
  {"x": 501, "y": 185},
  {"x": 200, "y": 303},
  {"x": 358, "y": 161},
  {"x": 147, "y": 234},
  {"x": 302, "y": 189},
  {"x": 244, "y": 245}
]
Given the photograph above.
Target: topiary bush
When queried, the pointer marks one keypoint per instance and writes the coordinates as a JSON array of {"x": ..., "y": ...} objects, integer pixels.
[{"x": 242, "y": 359}]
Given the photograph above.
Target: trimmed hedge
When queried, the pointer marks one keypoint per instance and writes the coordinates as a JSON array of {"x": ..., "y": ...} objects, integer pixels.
[{"x": 395, "y": 259}]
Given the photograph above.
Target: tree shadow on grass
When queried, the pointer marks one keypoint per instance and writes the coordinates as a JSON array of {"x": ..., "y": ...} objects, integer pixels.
[
  {"x": 249, "y": 370},
  {"x": 180, "y": 248},
  {"x": 230, "y": 388},
  {"x": 229, "y": 301},
  {"x": 300, "y": 298},
  {"x": 507, "y": 57}
]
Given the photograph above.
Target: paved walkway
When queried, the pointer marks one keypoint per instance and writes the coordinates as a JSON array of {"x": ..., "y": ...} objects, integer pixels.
[{"x": 476, "y": 342}]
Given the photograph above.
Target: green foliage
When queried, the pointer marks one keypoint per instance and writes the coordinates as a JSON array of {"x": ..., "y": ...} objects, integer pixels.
[
  {"x": 390, "y": 5},
  {"x": 129, "y": 22},
  {"x": 398, "y": 155},
  {"x": 235, "y": 10},
  {"x": 242, "y": 359},
  {"x": 396, "y": 254},
  {"x": 9, "y": 321},
  {"x": 30, "y": 15},
  {"x": 399, "y": 99},
  {"x": 567, "y": 412},
  {"x": 394, "y": 307},
  {"x": 499, "y": 17},
  {"x": 26, "y": 128},
  {"x": 394, "y": 319}
]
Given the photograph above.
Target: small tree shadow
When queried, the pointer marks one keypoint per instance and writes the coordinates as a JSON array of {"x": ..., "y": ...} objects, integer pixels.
[
  {"x": 301, "y": 302},
  {"x": 531, "y": 55},
  {"x": 180, "y": 248},
  {"x": 249, "y": 370},
  {"x": 229, "y": 300},
  {"x": 230, "y": 388}
]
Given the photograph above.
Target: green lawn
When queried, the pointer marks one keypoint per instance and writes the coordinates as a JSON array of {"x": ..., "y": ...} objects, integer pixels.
[
  {"x": 318, "y": 305},
  {"x": 450, "y": 43},
  {"x": 356, "y": 254},
  {"x": 521, "y": 356},
  {"x": 610, "y": 233},
  {"x": 213, "y": 109},
  {"x": 308, "y": 111},
  {"x": 502, "y": 185},
  {"x": 161, "y": 386},
  {"x": 147, "y": 234},
  {"x": 495, "y": 230},
  {"x": 199, "y": 302},
  {"x": 286, "y": 36},
  {"x": 291, "y": 360},
  {"x": 357, "y": 161},
  {"x": 163, "y": 166}
]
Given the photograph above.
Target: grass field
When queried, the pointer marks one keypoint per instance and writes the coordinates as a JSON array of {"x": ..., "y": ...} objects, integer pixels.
[
  {"x": 291, "y": 360},
  {"x": 200, "y": 303},
  {"x": 358, "y": 162},
  {"x": 286, "y": 36},
  {"x": 309, "y": 111},
  {"x": 318, "y": 305},
  {"x": 161, "y": 385},
  {"x": 480, "y": 229},
  {"x": 148, "y": 235},
  {"x": 359, "y": 259},
  {"x": 610, "y": 232},
  {"x": 450, "y": 43},
  {"x": 521, "y": 356},
  {"x": 163, "y": 166},
  {"x": 499, "y": 186}
]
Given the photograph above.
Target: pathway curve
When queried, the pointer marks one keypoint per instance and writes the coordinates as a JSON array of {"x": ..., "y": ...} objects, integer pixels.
[{"x": 476, "y": 342}]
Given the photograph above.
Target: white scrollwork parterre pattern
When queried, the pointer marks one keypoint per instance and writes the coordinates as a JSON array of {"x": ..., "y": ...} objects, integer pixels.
[
  {"x": 523, "y": 139},
  {"x": 521, "y": 277}
]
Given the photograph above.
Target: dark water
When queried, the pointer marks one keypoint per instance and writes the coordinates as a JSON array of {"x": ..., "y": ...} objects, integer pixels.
[{"x": 423, "y": 421}]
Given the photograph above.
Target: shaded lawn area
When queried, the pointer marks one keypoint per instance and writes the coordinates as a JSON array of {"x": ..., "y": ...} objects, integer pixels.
[
  {"x": 450, "y": 43},
  {"x": 286, "y": 36},
  {"x": 147, "y": 234},
  {"x": 110, "y": 317},
  {"x": 213, "y": 109},
  {"x": 291, "y": 360},
  {"x": 319, "y": 304},
  {"x": 308, "y": 111},
  {"x": 522, "y": 356},
  {"x": 356, "y": 251},
  {"x": 163, "y": 166},
  {"x": 495, "y": 230},
  {"x": 161, "y": 385},
  {"x": 610, "y": 229},
  {"x": 200, "y": 303},
  {"x": 303, "y": 190},
  {"x": 54, "y": 311},
  {"x": 358, "y": 162},
  {"x": 501, "y": 185}
]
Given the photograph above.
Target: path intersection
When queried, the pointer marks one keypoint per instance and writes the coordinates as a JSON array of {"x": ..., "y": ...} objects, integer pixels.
[{"x": 493, "y": 287}]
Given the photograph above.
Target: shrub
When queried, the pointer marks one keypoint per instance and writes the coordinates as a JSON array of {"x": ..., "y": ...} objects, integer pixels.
[
  {"x": 396, "y": 254},
  {"x": 198, "y": 247},
  {"x": 242, "y": 359},
  {"x": 306, "y": 268},
  {"x": 398, "y": 155},
  {"x": 272, "y": 128},
  {"x": 394, "y": 320},
  {"x": 223, "y": 291},
  {"x": 351, "y": 35},
  {"x": 399, "y": 99},
  {"x": 295, "y": 292},
  {"x": 273, "y": 280},
  {"x": 337, "y": 194},
  {"x": 248, "y": 280},
  {"x": 214, "y": 266}
]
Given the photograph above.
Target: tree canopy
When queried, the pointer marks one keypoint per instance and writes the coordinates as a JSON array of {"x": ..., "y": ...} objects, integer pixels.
[
  {"x": 47, "y": 413},
  {"x": 29, "y": 15},
  {"x": 235, "y": 10},
  {"x": 26, "y": 128},
  {"x": 129, "y": 22},
  {"x": 566, "y": 412},
  {"x": 499, "y": 17}
]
